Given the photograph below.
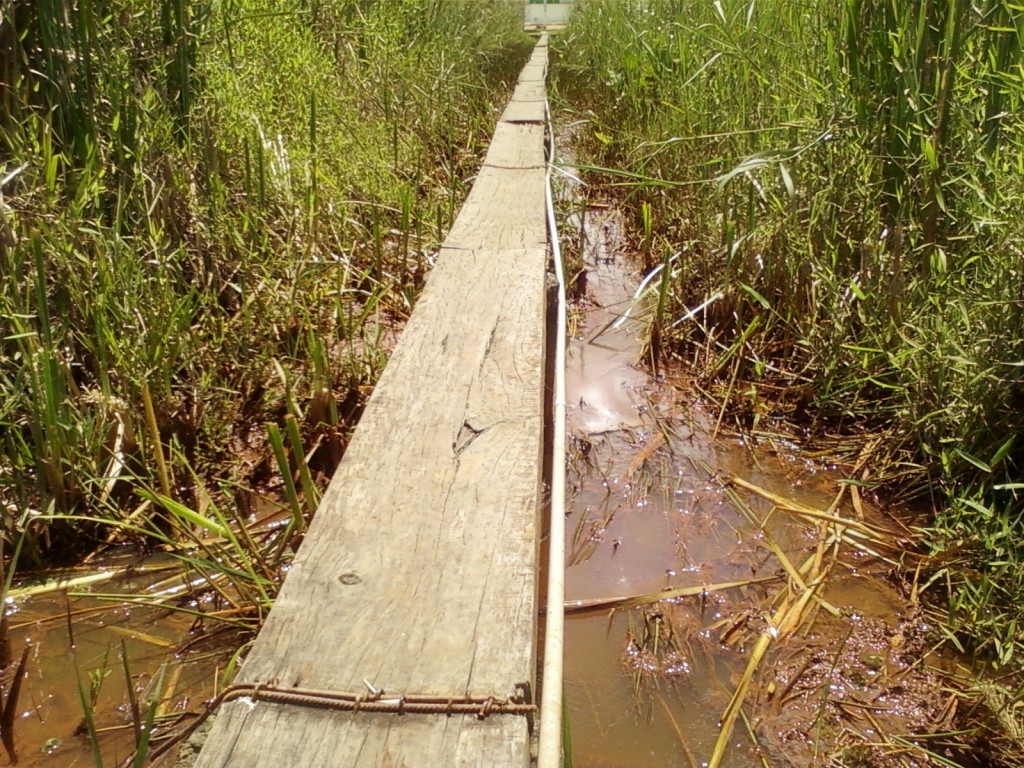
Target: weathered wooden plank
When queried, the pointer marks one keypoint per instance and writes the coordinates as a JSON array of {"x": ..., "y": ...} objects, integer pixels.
[
  {"x": 417, "y": 556},
  {"x": 534, "y": 72},
  {"x": 321, "y": 739},
  {"x": 515, "y": 146},
  {"x": 529, "y": 91},
  {"x": 523, "y": 112},
  {"x": 418, "y": 574},
  {"x": 519, "y": 195}
]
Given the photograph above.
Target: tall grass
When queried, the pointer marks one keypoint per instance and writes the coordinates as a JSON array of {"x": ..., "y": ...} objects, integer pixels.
[
  {"x": 211, "y": 217},
  {"x": 844, "y": 181}
]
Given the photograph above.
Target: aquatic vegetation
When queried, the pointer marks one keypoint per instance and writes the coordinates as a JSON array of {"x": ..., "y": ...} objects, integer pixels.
[
  {"x": 214, "y": 217},
  {"x": 835, "y": 191},
  {"x": 211, "y": 219}
]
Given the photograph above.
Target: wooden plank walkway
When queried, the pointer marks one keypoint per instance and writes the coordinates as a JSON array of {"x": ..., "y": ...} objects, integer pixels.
[{"x": 419, "y": 573}]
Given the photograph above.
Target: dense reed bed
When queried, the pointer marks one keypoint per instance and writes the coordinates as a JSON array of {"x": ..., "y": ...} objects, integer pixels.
[
  {"x": 832, "y": 193},
  {"x": 213, "y": 217}
]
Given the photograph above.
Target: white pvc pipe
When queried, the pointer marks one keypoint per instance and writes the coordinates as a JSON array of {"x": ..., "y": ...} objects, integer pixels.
[{"x": 549, "y": 754}]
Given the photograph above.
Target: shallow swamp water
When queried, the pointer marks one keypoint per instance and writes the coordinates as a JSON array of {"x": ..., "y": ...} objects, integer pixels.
[
  {"x": 835, "y": 658},
  {"x": 84, "y": 633},
  {"x": 123, "y": 637}
]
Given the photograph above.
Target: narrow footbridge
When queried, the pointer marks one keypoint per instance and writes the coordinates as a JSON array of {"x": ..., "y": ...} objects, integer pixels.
[{"x": 405, "y": 633}]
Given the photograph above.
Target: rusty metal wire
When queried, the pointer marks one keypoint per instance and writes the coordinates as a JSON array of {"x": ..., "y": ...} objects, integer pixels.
[
  {"x": 373, "y": 701},
  {"x": 379, "y": 701}
]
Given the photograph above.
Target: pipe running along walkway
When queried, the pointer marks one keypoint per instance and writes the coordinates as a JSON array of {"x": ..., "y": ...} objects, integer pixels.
[{"x": 405, "y": 633}]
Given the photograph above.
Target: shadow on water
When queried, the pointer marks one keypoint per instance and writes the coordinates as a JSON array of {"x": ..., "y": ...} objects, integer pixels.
[{"x": 653, "y": 508}]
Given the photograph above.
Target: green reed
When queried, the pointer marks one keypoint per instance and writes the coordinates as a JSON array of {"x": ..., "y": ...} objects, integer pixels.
[
  {"x": 194, "y": 196},
  {"x": 212, "y": 215},
  {"x": 846, "y": 180}
]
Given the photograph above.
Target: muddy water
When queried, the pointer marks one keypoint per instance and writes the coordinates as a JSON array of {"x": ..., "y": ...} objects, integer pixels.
[
  {"x": 75, "y": 634},
  {"x": 648, "y": 686}
]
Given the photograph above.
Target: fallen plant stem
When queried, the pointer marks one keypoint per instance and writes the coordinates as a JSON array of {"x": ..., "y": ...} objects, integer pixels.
[
  {"x": 9, "y": 715},
  {"x": 632, "y": 601}
]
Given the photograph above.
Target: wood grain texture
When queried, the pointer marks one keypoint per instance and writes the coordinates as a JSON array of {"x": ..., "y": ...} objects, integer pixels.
[
  {"x": 534, "y": 72},
  {"x": 427, "y": 532},
  {"x": 518, "y": 195},
  {"x": 523, "y": 112},
  {"x": 419, "y": 572},
  {"x": 529, "y": 91},
  {"x": 302, "y": 739},
  {"x": 515, "y": 146}
]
